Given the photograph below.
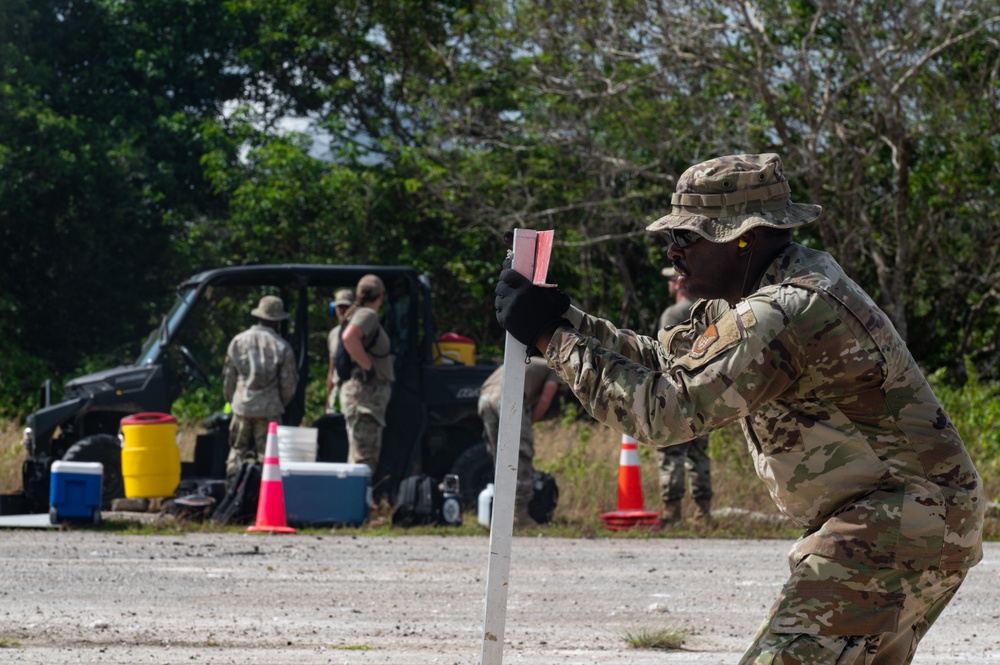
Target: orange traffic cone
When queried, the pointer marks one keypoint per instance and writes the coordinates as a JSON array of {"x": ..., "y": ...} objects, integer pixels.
[
  {"x": 271, "y": 504},
  {"x": 631, "y": 511}
]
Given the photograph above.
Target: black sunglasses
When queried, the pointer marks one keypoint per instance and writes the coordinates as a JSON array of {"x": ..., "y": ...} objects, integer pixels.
[{"x": 683, "y": 237}]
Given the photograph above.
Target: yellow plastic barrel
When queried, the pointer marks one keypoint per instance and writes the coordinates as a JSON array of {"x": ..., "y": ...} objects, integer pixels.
[{"x": 151, "y": 458}]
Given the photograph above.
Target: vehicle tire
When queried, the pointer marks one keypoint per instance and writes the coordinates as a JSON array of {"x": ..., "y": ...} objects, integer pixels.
[
  {"x": 107, "y": 450},
  {"x": 474, "y": 469}
]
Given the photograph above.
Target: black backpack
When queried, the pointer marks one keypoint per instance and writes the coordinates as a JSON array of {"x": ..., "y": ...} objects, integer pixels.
[
  {"x": 342, "y": 361},
  {"x": 418, "y": 501},
  {"x": 239, "y": 505},
  {"x": 545, "y": 499}
]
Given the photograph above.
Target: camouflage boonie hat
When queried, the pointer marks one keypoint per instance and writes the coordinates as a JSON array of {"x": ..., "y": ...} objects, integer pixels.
[
  {"x": 723, "y": 197},
  {"x": 270, "y": 308},
  {"x": 343, "y": 298}
]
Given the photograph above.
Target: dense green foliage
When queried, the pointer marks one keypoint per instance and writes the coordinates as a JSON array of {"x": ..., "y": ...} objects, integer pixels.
[{"x": 142, "y": 142}]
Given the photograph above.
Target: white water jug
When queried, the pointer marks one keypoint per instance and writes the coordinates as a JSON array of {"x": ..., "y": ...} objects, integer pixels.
[{"x": 486, "y": 505}]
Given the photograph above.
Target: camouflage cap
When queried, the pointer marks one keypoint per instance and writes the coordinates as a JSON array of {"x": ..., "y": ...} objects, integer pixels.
[
  {"x": 370, "y": 287},
  {"x": 270, "y": 308},
  {"x": 723, "y": 197},
  {"x": 343, "y": 298}
]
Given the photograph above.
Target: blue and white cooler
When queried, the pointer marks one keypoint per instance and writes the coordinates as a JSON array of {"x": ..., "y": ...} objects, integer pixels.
[
  {"x": 325, "y": 493},
  {"x": 75, "y": 492}
]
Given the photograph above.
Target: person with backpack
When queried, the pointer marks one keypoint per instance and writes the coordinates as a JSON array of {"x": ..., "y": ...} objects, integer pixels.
[
  {"x": 541, "y": 390},
  {"x": 259, "y": 379},
  {"x": 365, "y": 366},
  {"x": 342, "y": 301}
]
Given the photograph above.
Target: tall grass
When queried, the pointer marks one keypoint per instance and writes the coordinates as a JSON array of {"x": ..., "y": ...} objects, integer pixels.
[
  {"x": 584, "y": 456},
  {"x": 12, "y": 454}
]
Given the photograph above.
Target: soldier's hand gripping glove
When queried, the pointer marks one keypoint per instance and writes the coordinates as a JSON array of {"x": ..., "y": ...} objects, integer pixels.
[{"x": 528, "y": 311}]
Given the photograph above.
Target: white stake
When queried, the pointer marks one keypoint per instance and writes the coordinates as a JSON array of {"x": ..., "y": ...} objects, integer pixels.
[{"x": 531, "y": 257}]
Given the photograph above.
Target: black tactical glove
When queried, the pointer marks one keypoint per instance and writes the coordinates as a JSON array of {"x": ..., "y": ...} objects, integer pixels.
[{"x": 528, "y": 311}]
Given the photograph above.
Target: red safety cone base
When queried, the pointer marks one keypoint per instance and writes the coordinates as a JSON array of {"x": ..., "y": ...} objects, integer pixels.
[
  {"x": 270, "y": 529},
  {"x": 625, "y": 520}
]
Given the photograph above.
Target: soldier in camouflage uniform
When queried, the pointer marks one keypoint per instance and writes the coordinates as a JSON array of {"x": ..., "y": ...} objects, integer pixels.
[
  {"x": 364, "y": 397},
  {"x": 541, "y": 385},
  {"x": 842, "y": 425},
  {"x": 342, "y": 301},
  {"x": 684, "y": 460},
  {"x": 259, "y": 378}
]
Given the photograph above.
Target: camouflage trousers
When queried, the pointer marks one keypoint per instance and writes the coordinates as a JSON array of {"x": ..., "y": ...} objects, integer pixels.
[
  {"x": 247, "y": 441},
  {"x": 525, "y": 452},
  {"x": 689, "y": 458},
  {"x": 364, "y": 406},
  {"x": 840, "y": 613}
]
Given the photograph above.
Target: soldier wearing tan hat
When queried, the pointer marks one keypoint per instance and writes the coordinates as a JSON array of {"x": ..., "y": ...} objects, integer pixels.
[
  {"x": 342, "y": 301},
  {"x": 259, "y": 380},
  {"x": 842, "y": 426}
]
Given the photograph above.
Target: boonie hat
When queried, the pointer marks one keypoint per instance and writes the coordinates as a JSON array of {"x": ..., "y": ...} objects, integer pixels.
[
  {"x": 723, "y": 197},
  {"x": 343, "y": 297},
  {"x": 270, "y": 308}
]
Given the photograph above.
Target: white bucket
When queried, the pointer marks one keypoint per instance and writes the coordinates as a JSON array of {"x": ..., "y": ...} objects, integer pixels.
[{"x": 297, "y": 444}]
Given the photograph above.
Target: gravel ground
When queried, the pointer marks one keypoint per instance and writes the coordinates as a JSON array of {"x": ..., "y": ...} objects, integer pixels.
[{"x": 81, "y": 597}]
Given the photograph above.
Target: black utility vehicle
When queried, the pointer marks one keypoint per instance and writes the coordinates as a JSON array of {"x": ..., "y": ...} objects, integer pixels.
[{"x": 432, "y": 428}]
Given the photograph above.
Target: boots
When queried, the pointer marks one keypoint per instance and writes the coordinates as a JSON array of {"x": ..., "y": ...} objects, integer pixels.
[
  {"x": 523, "y": 519},
  {"x": 671, "y": 513},
  {"x": 703, "y": 512}
]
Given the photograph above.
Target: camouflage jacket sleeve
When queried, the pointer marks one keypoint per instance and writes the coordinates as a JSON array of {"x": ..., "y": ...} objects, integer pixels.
[
  {"x": 229, "y": 375},
  {"x": 288, "y": 376},
  {"x": 628, "y": 343},
  {"x": 637, "y": 386}
]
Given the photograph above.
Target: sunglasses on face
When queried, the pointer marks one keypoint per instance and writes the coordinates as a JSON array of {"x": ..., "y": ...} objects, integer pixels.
[{"x": 683, "y": 237}]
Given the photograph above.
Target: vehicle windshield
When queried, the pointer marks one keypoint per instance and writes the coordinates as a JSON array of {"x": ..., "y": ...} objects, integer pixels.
[{"x": 168, "y": 326}]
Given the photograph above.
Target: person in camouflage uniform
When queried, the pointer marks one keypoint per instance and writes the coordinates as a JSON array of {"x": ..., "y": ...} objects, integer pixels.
[
  {"x": 541, "y": 385},
  {"x": 842, "y": 426},
  {"x": 364, "y": 397},
  {"x": 259, "y": 379},
  {"x": 689, "y": 459},
  {"x": 342, "y": 301}
]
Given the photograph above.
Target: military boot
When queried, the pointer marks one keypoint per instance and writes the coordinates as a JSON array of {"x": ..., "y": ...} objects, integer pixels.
[
  {"x": 703, "y": 512},
  {"x": 671, "y": 513}
]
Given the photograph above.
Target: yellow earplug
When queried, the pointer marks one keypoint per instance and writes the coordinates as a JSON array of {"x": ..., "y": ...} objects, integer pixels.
[{"x": 742, "y": 243}]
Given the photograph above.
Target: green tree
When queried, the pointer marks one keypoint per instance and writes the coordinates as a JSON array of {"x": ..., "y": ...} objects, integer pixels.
[{"x": 101, "y": 112}]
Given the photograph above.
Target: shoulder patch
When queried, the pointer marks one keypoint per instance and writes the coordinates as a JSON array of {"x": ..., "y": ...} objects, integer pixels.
[
  {"x": 726, "y": 331},
  {"x": 705, "y": 342}
]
